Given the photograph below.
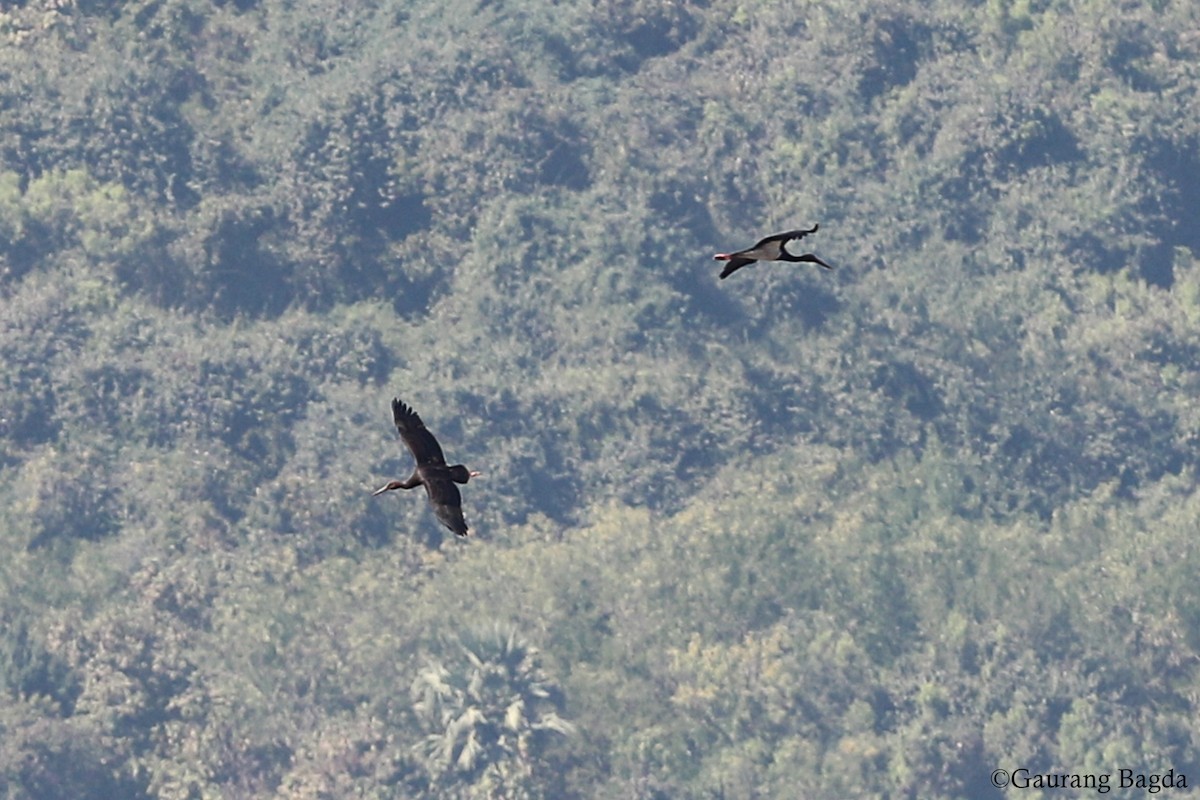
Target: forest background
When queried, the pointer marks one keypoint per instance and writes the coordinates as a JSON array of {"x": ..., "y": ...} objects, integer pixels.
[{"x": 870, "y": 532}]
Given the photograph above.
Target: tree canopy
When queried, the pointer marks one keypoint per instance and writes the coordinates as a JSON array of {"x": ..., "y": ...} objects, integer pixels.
[{"x": 877, "y": 531}]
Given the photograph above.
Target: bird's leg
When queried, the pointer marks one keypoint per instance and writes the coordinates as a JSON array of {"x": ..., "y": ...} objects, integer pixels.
[{"x": 460, "y": 474}]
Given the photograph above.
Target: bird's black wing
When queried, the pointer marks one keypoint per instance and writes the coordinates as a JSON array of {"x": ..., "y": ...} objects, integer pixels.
[
  {"x": 447, "y": 503},
  {"x": 420, "y": 441},
  {"x": 734, "y": 264},
  {"x": 785, "y": 237}
]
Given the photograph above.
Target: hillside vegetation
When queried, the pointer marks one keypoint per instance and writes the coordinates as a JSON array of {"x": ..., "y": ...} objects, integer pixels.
[{"x": 870, "y": 532}]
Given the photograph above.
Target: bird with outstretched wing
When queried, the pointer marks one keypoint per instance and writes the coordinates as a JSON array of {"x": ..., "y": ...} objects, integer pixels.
[
  {"x": 771, "y": 248},
  {"x": 431, "y": 470}
]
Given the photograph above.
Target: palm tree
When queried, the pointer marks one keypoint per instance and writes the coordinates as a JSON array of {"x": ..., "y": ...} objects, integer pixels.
[{"x": 489, "y": 714}]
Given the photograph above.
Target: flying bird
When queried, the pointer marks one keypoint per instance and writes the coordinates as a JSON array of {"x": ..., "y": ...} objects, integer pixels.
[
  {"x": 431, "y": 470},
  {"x": 771, "y": 248}
]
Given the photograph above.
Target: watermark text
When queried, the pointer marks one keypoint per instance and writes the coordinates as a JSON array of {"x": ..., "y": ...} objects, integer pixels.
[{"x": 1099, "y": 782}]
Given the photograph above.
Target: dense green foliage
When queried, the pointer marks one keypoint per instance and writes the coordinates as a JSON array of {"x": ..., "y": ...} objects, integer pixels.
[{"x": 873, "y": 532}]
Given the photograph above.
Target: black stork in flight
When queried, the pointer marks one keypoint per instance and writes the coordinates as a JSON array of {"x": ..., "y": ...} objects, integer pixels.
[
  {"x": 771, "y": 248},
  {"x": 431, "y": 471}
]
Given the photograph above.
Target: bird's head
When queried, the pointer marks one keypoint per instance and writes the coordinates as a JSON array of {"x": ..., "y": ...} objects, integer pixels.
[{"x": 389, "y": 487}]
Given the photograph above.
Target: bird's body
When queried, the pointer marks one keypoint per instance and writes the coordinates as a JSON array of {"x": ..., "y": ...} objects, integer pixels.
[
  {"x": 772, "y": 248},
  {"x": 431, "y": 470}
]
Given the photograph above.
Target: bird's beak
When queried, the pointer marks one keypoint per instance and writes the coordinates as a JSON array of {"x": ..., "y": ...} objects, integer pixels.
[
  {"x": 380, "y": 490},
  {"x": 474, "y": 473}
]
